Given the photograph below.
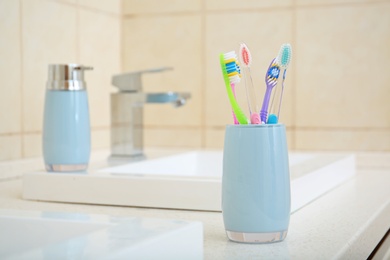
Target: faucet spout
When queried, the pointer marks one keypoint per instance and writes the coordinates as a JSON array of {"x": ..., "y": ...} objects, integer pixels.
[{"x": 176, "y": 98}]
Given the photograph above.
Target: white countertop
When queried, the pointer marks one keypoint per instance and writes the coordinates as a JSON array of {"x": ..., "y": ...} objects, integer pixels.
[{"x": 348, "y": 222}]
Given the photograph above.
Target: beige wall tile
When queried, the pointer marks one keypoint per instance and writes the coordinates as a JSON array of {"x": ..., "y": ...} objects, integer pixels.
[
  {"x": 111, "y": 6},
  {"x": 100, "y": 138},
  {"x": 160, "y": 6},
  {"x": 290, "y": 138},
  {"x": 11, "y": 147},
  {"x": 264, "y": 43},
  {"x": 101, "y": 50},
  {"x": 174, "y": 41},
  {"x": 10, "y": 105},
  {"x": 343, "y": 140},
  {"x": 32, "y": 142},
  {"x": 46, "y": 39},
  {"x": 172, "y": 137},
  {"x": 214, "y": 138},
  {"x": 341, "y": 76},
  {"x": 336, "y": 63},
  {"x": 247, "y": 4},
  {"x": 32, "y": 145}
]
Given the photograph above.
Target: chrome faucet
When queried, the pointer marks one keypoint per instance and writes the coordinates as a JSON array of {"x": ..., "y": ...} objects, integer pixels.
[{"x": 127, "y": 112}]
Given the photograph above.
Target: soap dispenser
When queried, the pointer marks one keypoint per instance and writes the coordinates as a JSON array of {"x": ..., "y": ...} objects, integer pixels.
[{"x": 66, "y": 127}]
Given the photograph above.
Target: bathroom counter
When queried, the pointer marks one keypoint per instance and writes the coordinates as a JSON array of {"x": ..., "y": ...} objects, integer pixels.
[{"x": 347, "y": 222}]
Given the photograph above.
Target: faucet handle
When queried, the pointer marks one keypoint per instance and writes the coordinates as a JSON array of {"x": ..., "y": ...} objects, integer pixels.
[{"x": 131, "y": 81}]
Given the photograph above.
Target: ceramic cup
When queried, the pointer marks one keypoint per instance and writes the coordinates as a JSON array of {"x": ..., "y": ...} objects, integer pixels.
[{"x": 256, "y": 198}]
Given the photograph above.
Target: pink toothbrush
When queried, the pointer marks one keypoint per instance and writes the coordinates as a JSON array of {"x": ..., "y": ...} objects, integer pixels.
[{"x": 246, "y": 60}]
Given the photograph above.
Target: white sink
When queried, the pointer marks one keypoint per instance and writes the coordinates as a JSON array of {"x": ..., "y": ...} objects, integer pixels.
[
  {"x": 203, "y": 164},
  {"x": 189, "y": 180},
  {"x": 48, "y": 235}
]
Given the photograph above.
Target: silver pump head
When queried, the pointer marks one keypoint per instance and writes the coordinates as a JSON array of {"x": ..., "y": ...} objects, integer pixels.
[{"x": 68, "y": 77}]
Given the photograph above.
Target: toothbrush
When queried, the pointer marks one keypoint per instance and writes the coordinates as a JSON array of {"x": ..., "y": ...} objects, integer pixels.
[
  {"x": 283, "y": 59},
  {"x": 271, "y": 78},
  {"x": 232, "y": 75},
  {"x": 234, "y": 67},
  {"x": 246, "y": 60},
  {"x": 232, "y": 85}
]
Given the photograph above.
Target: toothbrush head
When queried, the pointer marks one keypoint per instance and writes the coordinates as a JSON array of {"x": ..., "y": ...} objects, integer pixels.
[
  {"x": 232, "y": 75},
  {"x": 245, "y": 55},
  {"x": 230, "y": 67},
  {"x": 272, "y": 75},
  {"x": 284, "y": 56}
]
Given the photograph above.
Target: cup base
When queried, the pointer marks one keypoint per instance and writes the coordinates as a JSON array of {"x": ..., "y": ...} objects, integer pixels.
[
  {"x": 256, "y": 238},
  {"x": 66, "y": 167}
]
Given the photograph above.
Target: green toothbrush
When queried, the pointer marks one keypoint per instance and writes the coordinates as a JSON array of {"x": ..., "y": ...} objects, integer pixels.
[{"x": 232, "y": 75}]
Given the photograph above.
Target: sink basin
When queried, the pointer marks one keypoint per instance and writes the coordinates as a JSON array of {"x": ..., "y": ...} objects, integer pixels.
[
  {"x": 37, "y": 235},
  {"x": 189, "y": 180},
  {"x": 203, "y": 164}
]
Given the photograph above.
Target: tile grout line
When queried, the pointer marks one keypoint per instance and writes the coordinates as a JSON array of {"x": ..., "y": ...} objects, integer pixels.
[
  {"x": 21, "y": 79},
  {"x": 341, "y": 4},
  {"x": 121, "y": 39},
  {"x": 201, "y": 12},
  {"x": 77, "y": 38},
  {"x": 307, "y": 128},
  {"x": 96, "y": 128},
  {"x": 203, "y": 74},
  {"x": 295, "y": 128},
  {"x": 294, "y": 72},
  {"x": 246, "y": 10},
  {"x": 87, "y": 8}
]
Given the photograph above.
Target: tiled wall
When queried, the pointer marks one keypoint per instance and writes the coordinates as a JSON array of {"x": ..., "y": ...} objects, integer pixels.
[
  {"x": 337, "y": 94},
  {"x": 34, "y": 33}
]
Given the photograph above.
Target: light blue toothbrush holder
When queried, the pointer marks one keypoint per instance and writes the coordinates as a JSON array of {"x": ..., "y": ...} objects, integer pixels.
[{"x": 256, "y": 198}]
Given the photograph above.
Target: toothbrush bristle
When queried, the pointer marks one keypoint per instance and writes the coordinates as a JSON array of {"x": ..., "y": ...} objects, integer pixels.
[
  {"x": 245, "y": 55},
  {"x": 273, "y": 72},
  {"x": 232, "y": 67},
  {"x": 284, "y": 56}
]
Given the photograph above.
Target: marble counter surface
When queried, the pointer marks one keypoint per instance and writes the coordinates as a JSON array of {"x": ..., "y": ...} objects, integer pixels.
[{"x": 348, "y": 221}]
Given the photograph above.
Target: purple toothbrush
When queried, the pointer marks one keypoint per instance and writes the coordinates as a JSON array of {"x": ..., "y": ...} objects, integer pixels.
[{"x": 271, "y": 79}]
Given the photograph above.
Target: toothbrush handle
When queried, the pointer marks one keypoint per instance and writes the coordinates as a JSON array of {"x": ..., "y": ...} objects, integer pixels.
[
  {"x": 277, "y": 100},
  {"x": 234, "y": 93},
  {"x": 264, "y": 108},
  {"x": 251, "y": 97},
  {"x": 281, "y": 94}
]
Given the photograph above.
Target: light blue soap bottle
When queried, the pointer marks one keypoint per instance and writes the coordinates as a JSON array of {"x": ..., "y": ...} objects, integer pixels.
[{"x": 66, "y": 128}]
